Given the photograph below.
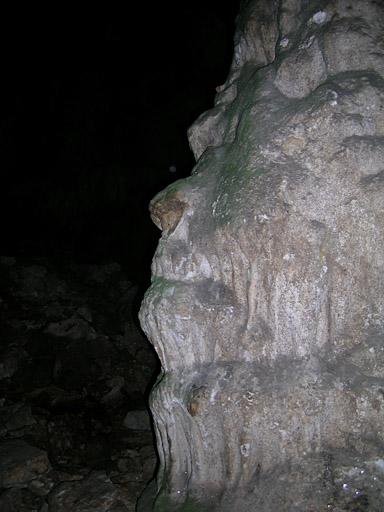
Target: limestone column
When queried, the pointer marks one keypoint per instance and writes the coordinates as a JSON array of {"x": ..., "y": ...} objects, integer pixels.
[{"x": 266, "y": 307}]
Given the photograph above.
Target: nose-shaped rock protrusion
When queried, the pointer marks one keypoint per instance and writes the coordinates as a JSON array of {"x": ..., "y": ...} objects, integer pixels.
[{"x": 166, "y": 209}]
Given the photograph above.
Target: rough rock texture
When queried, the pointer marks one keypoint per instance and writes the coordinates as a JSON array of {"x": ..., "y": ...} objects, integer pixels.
[
  {"x": 267, "y": 302},
  {"x": 74, "y": 432},
  {"x": 21, "y": 463}
]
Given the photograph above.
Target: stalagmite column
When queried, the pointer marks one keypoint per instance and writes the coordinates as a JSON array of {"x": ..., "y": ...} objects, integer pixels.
[{"x": 267, "y": 302}]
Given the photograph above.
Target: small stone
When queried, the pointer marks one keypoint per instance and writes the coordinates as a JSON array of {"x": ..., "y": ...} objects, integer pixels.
[
  {"x": 319, "y": 17},
  {"x": 94, "y": 493},
  {"x": 137, "y": 420},
  {"x": 17, "y": 416},
  {"x": 20, "y": 463}
]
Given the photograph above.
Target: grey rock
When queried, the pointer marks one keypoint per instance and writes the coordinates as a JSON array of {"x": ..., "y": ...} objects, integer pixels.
[
  {"x": 256, "y": 35},
  {"x": 207, "y": 131},
  {"x": 21, "y": 463},
  {"x": 21, "y": 500},
  {"x": 137, "y": 420},
  {"x": 302, "y": 71},
  {"x": 96, "y": 492},
  {"x": 74, "y": 328},
  {"x": 266, "y": 306},
  {"x": 14, "y": 418},
  {"x": 9, "y": 364}
]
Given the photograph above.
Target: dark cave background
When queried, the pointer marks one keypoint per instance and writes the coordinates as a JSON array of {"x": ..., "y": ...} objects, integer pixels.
[{"x": 95, "y": 109}]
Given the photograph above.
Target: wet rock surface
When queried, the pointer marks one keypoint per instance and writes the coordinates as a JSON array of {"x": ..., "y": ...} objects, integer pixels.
[
  {"x": 267, "y": 301},
  {"x": 74, "y": 369}
]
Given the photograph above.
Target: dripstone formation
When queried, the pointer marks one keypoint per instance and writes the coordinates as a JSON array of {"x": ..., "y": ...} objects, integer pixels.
[{"x": 267, "y": 302}]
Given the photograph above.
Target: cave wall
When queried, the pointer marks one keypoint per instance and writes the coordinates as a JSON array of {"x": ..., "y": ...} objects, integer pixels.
[{"x": 267, "y": 296}]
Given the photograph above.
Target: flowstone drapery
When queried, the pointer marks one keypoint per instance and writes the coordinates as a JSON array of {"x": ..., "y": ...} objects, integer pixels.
[{"x": 267, "y": 302}]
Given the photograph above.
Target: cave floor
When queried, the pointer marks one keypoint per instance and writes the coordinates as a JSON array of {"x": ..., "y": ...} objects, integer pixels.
[{"x": 75, "y": 433}]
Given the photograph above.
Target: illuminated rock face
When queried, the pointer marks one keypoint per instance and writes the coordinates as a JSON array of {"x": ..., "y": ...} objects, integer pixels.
[{"x": 267, "y": 302}]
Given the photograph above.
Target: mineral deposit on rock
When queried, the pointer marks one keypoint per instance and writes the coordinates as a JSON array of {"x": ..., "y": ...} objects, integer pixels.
[{"x": 266, "y": 307}]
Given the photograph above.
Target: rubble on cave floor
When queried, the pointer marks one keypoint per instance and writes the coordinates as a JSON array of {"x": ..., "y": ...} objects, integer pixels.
[{"x": 74, "y": 371}]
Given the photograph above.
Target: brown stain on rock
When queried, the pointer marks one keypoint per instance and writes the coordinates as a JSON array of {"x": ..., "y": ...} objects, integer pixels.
[{"x": 167, "y": 211}]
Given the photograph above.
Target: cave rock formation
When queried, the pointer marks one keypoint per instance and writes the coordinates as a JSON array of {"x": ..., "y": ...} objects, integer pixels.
[{"x": 266, "y": 306}]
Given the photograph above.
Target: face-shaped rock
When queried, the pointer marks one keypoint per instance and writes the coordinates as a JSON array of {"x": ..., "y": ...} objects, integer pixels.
[{"x": 267, "y": 302}]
